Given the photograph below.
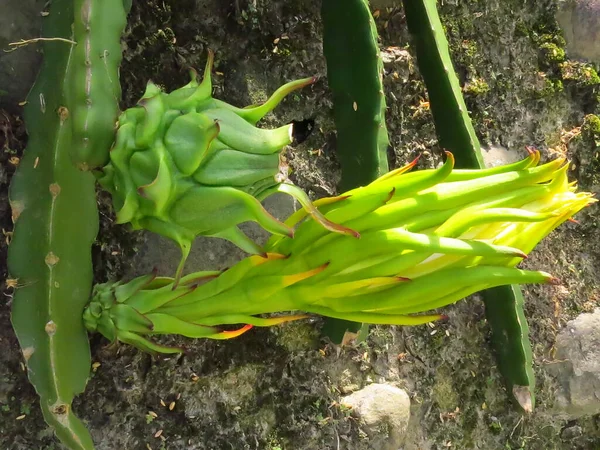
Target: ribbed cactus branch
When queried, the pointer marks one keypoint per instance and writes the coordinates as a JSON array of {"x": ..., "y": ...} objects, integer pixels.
[
  {"x": 54, "y": 210},
  {"x": 354, "y": 75},
  {"x": 92, "y": 85},
  {"x": 503, "y": 305},
  {"x": 504, "y": 311},
  {"x": 69, "y": 115},
  {"x": 450, "y": 115}
]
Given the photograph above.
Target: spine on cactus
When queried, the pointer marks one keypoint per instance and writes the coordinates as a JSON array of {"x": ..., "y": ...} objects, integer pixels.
[
  {"x": 354, "y": 75},
  {"x": 54, "y": 206},
  {"x": 504, "y": 304},
  {"x": 54, "y": 211},
  {"x": 428, "y": 239},
  {"x": 92, "y": 85}
]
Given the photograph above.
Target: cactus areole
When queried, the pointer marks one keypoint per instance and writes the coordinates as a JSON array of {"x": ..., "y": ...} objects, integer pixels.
[{"x": 185, "y": 164}]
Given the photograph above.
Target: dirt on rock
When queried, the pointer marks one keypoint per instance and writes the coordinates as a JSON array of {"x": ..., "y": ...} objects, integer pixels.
[{"x": 279, "y": 388}]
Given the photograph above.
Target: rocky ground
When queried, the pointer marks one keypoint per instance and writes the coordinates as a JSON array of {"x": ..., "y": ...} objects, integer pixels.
[{"x": 282, "y": 388}]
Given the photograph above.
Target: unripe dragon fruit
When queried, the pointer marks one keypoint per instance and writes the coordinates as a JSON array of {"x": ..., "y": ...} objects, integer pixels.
[
  {"x": 185, "y": 164},
  {"x": 428, "y": 239}
]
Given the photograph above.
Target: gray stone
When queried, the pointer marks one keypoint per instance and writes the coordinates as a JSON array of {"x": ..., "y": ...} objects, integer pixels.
[
  {"x": 384, "y": 412},
  {"x": 580, "y": 21},
  {"x": 20, "y": 20},
  {"x": 571, "y": 433},
  {"x": 578, "y": 365}
]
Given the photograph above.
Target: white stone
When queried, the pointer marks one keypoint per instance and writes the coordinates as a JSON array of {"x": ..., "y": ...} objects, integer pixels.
[{"x": 384, "y": 412}]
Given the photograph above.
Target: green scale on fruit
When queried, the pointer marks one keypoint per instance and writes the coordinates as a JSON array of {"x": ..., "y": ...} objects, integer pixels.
[{"x": 185, "y": 164}]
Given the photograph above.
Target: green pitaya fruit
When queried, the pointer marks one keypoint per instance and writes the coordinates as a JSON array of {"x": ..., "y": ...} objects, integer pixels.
[
  {"x": 428, "y": 239},
  {"x": 185, "y": 164}
]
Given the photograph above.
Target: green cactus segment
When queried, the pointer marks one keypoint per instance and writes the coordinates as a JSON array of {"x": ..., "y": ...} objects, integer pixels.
[
  {"x": 56, "y": 221},
  {"x": 388, "y": 276},
  {"x": 92, "y": 84},
  {"x": 450, "y": 114},
  {"x": 504, "y": 312},
  {"x": 504, "y": 305},
  {"x": 185, "y": 164},
  {"x": 354, "y": 75}
]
